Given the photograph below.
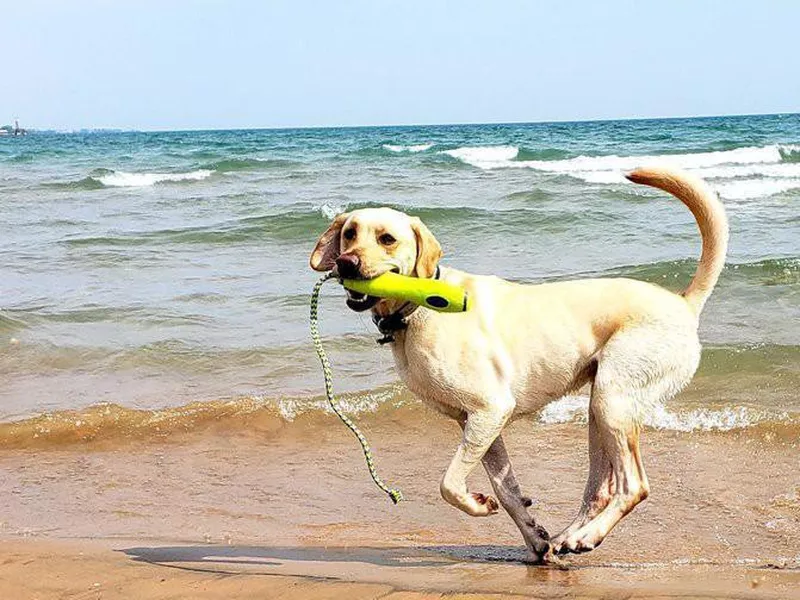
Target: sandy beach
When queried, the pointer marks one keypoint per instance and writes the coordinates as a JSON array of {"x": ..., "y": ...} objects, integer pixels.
[
  {"x": 110, "y": 570},
  {"x": 167, "y": 431},
  {"x": 289, "y": 512}
]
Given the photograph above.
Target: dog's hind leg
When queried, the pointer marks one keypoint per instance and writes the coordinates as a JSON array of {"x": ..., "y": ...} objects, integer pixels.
[
  {"x": 621, "y": 469},
  {"x": 638, "y": 368},
  {"x": 599, "y": 484},
  {"x": 506, "y": 486}
]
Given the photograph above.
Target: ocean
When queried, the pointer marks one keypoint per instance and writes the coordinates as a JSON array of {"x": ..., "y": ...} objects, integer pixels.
[{"x": 156, "y": 282}]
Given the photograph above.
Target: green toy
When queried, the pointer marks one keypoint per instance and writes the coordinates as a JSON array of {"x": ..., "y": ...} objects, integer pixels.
[{"x": 430, "y": 293}]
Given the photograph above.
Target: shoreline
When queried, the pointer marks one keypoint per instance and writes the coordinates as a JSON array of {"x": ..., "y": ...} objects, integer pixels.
[
  {"x": 108, "y": 425},
  {"x": 291, "y": 513}
]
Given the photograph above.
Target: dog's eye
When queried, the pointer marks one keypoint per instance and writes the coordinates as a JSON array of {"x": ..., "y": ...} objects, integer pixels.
[
  {"x": 387, "y": 239},
  {"x": 350, "y": 234}
]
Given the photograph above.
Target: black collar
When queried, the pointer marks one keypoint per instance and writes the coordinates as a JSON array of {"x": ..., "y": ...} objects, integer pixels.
[{"x": 398, "y": 320}]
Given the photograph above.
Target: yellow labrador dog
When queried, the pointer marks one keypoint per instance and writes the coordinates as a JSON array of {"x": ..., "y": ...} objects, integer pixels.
[{"x": 522, "y": 346}]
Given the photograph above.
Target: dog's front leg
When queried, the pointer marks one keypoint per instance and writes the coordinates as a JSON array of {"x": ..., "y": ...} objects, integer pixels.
[
  {"x": 505, "y": 484},
  {"x": 480, "y": 430}
]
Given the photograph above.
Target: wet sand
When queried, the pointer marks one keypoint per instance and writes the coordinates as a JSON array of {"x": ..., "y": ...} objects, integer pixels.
[
  {"x": 289, "y": 511},
  {"x": 111, "y": 570}
]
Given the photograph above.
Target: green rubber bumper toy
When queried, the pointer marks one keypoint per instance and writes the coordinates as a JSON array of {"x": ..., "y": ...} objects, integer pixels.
[{"x": 430, "y": 293}]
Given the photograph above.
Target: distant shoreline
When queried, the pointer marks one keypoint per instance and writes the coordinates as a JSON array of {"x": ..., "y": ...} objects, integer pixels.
[{"x": 64, "y": 131}]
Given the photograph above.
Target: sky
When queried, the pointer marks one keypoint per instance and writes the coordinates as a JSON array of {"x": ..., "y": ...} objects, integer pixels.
[{"x": 176, "y": 64}]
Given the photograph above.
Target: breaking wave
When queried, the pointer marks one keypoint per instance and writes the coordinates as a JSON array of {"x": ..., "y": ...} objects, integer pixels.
[
  {"x": 100, "y": 179},
  {"x": 573, "y": 409},
  {"x": 125, "y": 179},
  {"x": 741, "y": 173},
  {"x": 109, "y": 178},
  {"x": 413, "y": 148},
  {"x": 755, "y": 188},
  {"x": 487, "y": 157},
  {"x": 110, "y": 423}
]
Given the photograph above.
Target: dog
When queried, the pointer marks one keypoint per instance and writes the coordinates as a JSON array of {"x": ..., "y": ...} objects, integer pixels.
[{"x": 523, "y": 346}]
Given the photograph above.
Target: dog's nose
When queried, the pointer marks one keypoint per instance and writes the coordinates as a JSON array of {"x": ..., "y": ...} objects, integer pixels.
[{"x": 347, "y": 266}]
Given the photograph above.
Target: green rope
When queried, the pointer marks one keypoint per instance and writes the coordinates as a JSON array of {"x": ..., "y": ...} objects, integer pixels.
[{"x": 395, "y": 494}]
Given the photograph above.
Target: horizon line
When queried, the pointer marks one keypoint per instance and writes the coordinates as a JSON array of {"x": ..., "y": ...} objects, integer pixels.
[{"x": 399, "y": 126}]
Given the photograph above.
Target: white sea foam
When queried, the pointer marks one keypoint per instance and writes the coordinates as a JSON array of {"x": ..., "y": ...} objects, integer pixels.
[
  {"x": 600, "y": 176},
  {"x": 352, "y": 404},
  {"x": 767, "y": 163},
  {"x": 329, "y": 211},
  {"x": 790, "y": 151},
  {"x": 412, "y": 148},
  {"x": 124, "y": 179},
  {"x": 573, "y": 409},
  {"x": 779, "y": 170},
  {"x": 705, "y": 419},
  {"x": 745, "y": 189},
  {"x": 489, "y": 157},
  {"x": 566, "y": 410},
  {"x": 486, "y": 157}
]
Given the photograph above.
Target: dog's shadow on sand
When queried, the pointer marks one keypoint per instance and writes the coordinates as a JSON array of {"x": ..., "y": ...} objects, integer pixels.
[{"x": 427, "y": 556}]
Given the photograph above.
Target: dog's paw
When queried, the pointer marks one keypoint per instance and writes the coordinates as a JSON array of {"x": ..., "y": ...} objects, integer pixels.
[
  {"x": 544, "y": 557},
  {"x": 574, "y": 544},
  {"x": 537, "y": 540},
  {"x": 482, "y": 505}
]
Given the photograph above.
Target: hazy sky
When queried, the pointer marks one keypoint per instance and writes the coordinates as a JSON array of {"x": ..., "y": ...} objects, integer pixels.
[{"x": 176, "y": 64}]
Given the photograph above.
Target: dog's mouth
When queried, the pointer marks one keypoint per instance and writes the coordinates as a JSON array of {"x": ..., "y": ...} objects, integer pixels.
[{"x": 360, "y": 302}]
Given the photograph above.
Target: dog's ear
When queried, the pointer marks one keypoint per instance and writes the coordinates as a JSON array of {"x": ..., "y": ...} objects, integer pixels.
[
  {"x": 328, "y": 248},
  {"x": 428, "y": 249}
]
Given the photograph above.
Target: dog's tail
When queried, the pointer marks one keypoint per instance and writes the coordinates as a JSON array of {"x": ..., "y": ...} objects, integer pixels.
[{"x": 711, "y": 220}]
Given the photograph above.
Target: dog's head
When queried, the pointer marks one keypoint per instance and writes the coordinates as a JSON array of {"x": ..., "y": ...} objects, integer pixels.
[{"x": 368, "y": 242}]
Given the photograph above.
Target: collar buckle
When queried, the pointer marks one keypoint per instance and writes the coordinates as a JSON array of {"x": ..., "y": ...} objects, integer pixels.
[{"x": 391, "y": 324}]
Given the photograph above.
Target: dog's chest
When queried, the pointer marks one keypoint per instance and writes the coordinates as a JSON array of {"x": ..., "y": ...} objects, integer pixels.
[
  {"x": 442, "y": 377},
  {"x": 467, "y": 373}
]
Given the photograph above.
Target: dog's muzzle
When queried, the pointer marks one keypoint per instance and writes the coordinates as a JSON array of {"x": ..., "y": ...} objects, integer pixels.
[
  {"x": 348, "y": 266},
  {"x": 360, "y": 302}
]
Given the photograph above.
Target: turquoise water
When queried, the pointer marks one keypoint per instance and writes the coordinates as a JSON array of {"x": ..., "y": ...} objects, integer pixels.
[{"x": 151, "y": 269}]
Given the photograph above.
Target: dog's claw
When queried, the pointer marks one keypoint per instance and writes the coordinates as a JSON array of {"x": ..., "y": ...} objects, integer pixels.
[
  {"x": 579, "y": 546},
  {"x": 490, "y": 503}
]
